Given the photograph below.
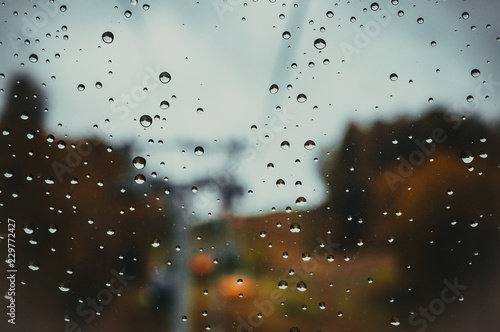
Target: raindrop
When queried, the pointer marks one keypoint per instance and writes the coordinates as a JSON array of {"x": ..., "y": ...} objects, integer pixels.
[
  {"x": 139, "y": 162},
  {"x": 199, "y": 151},
  {"x": 420, "y": 20},
  {"x": 467, "y": 156},
  {"x": 475, "y": 73},
  {"x": 273, "y": 89},
  {"x": 156, "y": 242},
  {"x": 164, "y": 105},
  {"x": 165, "y": 77},
  {"x": 301, "y": 98},
  {"x": 309, "y": 145},
  {"x": 301, "y": 286},
  {"x": 34, "y": 265},
  {"x": 393, "y": 77},
  {"x": 395, "y": 321},
  {"x": 286, "y": 35},
  {"x": 470, "y": 98},
  {"x": 285, "y": 145},
  {"x": 280, "y": 183},
  {"x": 329, "y": 14},
  {"x": 146, "y": 121},
  {"x": 128, "y": 13},
  {"x": 108, "y": 37},
  {"x": 110, "y": 231},
  {"x": 306, "y": 256},
  {"x": 322, "y": 305},
  {"x": 53, "y": 228},
  {"x": 374, "y": 6},
  {"x": 465, "y": 15},
  {"x": 320, "y": 43},
  {"x": 294, "y": 228},
  {"x": 80, "y": 87},
  {"x": 282, "y": 284},
  {"x": 61, "y": 144},
  {"x": 33, "y": 58},
  {"x": 64, "y": 286},
  {"x": 301, "y": 201},
  {"x": 140, "y": 179}
]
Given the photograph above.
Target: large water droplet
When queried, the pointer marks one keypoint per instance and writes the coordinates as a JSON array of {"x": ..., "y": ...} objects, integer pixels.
[
  {"x": 273, "y": 89},
  {"x": 374, "y": 6},
  {"x": 165, "y": 77},
  {"x": 301, "y": 201},
  {"x": 309, "y": 145},
  {"x": 282, "y": 284},
  {"x": 146, "y": 121},
  {"x": 294, "y": 228},
  {"x": 108, "y": 37},
  {"x": 301, "y": 98},
  {"x": 320, "y": 43},
  {"x": 33, "y": 58},
  {"x": 301, "y": 286},
  {"x": 199, "y": 151},
  {"x": 140, "y": 179},
  {"x": 465, "y": 15},
  {"x": 139, "y": 162},
  {"x": 34, "y": 265},
  {"x": 475, "y": 73},
  {"x": 280, "y": 183},
  {"x": 156, "y": 242},
  {"x": 393, "y": 77},
  {"x": 467, "y": 156},
  {"x": 285, "y": 145},
  {"x": 110, "y": 231},
  {"x": 64, "y": 286}
]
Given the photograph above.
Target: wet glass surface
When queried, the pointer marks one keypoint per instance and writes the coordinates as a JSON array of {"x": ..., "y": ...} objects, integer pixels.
[{"x": 249, "y": 166}]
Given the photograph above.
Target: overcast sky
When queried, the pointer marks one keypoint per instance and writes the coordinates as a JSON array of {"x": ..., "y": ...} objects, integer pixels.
[{"x": 224, "y": 56}]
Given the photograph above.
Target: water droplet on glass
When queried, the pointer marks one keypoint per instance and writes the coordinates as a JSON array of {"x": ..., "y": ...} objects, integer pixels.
[
  {"x": 146, "y": 121},
  {"x": 156, "y": 242},
  {"x": 301, "y": 286},
  {"x": 108, "y": 37},
  {"x": 475, "y": 73},
  {"x": 285, "y": 145},
  {"x": 393, "y": 77},
  {"x": 280, "y": 183},
  {"x": 320, "y": 43},
  {"x": 395, "y": 321},
  {"x": 465, "y": 15},
  {"x": 329, "y": 14},
  {"x": 33, "y": 58},
  {"x": 110, "y": 231},
  {"x": 64, "y": 286},
  {"x": 164, "y": 105},
  {"x": 273, "y": 89},
  {"x": 306, "y": 256},
  {"x": 420, "y": 20},
  {"x": 301, "y": 201},
  {"x": 294, "y": 228},
  {"x": 286, "y": 35},
  {"x": 140, "y": 179},
  {"x": 309, "y": 145},
  {"x": 282, "y": 284},
  {"x": 374, "y": 6},
  {"x": 80, "y": 87},
  {"x": 53, "y": 228},
  {"x": 199, "y": 151},
  {"x": 128, "y": 13},
  {"x": 470, "y": 98},
  {"x": 34, "y": 265},
  {"x": 467, "y": 156},
  {"x": 139, "y": 162},
  {"x": 301, "y": 98},
  {"x": 165, "y": 77},
  {"x": 322, "y": 305}
]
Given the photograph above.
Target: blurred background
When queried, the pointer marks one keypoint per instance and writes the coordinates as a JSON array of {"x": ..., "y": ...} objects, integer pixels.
[{"x": 250, "y": 166}]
